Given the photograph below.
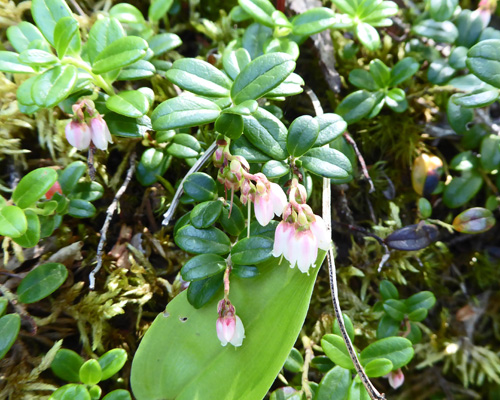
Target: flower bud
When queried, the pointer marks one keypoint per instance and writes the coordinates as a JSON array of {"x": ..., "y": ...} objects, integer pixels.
[
  {"x": 78, "y": 135},
  {"x": 56, "y": 188}
]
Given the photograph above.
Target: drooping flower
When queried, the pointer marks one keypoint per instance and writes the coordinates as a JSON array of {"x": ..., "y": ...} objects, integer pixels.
[
  {"x": 269, "y": 200},
  {"x": 78, "y": 135},
  {"x": 100, "y": 133},
  {"x": 229, "y": 326},
  {"x": 396, "y": 378},
  {"x": 301, "y": 233}
]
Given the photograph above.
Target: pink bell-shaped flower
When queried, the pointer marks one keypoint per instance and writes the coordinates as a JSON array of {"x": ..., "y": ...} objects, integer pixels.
[
  {"x": 78, "y": 135},
  {"x": 269, "y": 200},
  {"x": 396, "y": 378},
  {"x": 100, "y": 133},
  {"x": 230, "y": 329}
]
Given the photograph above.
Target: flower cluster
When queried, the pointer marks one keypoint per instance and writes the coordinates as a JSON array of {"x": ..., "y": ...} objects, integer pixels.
[
  {"x": 229, "y": 326},
  {"x": 301, "y": 233},
  {"x": 81, "y": 133}
]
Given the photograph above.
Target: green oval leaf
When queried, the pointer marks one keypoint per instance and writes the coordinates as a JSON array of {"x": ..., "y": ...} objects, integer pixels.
[
  {"x": 313, "y": 21},
  {"x": 252, "y": 250},
  {"x": 230, "y": 125},
  {"x": 111, "y": 362},
  {"x": 90, "y": 372},
  {"x": 22, "y": 34},
  {"x": 70, "y": 175},
  {"x": 47, "y": 13},
  {"x": 13, "y": 222},
  {"x": 81, "y": 208},
  {"x": 396, "y": 309},
  {"x": 9, "y": 329},
  {"x": 35, "y": 57},
  {"x": 184, "y": 146},
  {"x": 158, "y": 9},
  {"x": 261, "y": 76},
  {"x": 66, "y": 365},
  {"x": 199, "y": 77},
  {"x": 476, "y": 99},
  {"x": 378, "y": 367},
  {"x": 130, "y": 103},
  {"x": 483, "y": 59},
  {"x": 423, "y": 299},
  {"x": 119, "y": 394},
  {"x": 205, "y": 214},
  {"x": 41, "y": 282},
  {"x": 104, "y": 32},
  {"x": 32, "y": 235},
  {"x": 356, "y": 106},
  {"x": 120, "y": 53},
  {"x": 336, "y": 382},
  {"x": 54, "y": 85},
  {"x": 201, "y": 292},
  {"x": 260, "y": 10},
  {"x": 396, "y": 349},
  {"x": 202, "y": 267},
  {"x": 71, "y": 392},
  {"x": 67, "y": 37},
  {"x": 331, "y": 126},
  {"x": 388, "y": 290},
  {"x": 200, "y": 186},
  {"x": 302, "y": 135},
  {"x": 184, "y": 112},
  {"x": 490, "y": 153},
  {"x": 33, "y": 186},
  {"x": 199, "y": 241},
  {"x": 326, "y": 162},
  {"x": 461, "y": 189},
  {"x": 336, "y": 350},
  {"x": 368, "y": 36},
  {"x": 164, "y": 42}
]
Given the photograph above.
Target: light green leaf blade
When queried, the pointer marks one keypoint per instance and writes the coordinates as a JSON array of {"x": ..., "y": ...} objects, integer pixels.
[
  {"x": 272, "y": 307},
  {"x": 46, "y": 13}
]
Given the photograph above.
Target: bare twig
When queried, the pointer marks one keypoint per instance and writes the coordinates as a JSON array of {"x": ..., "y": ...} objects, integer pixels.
[
  {"x": 180, "y": 190},
  {"x": 309, "y": 354},
  {"x": 109, "y": 214},
  {"x": 361, "y": 160},
  {"x": 327, "y": 217}
]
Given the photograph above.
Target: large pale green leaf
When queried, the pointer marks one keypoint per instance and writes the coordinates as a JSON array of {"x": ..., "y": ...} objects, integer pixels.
[{"x": 181, "y": 358}]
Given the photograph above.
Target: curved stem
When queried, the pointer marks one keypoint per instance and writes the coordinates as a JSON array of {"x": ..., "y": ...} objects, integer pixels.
[{"x": 98, "y": 79}]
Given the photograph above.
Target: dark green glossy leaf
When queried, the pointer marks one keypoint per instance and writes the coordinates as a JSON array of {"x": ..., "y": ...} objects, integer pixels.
[
  {"x": 41, "y": 282},
  {"x": 331, "y": 126},
  {"x": 462, "y": 189},
  {"x": 444, "y": 32},
  {"x": 200, "y": 187},
  {"x": 252, "y": 250},
  {"x": 294, "y": 361},
  {"x": 200, "y": 241},
  {"x": 477, "y": 99},
  {"x": 232, "y": 224},
  {"x": 418, "y": 315},
  {"x": 458, "y": 117},
  {"x": 356, "y": 106},
  {"x": 261, "y": 76},
  {"x": 396, "y": 309},
  {"x": 387, "y": 327},
  {"x": 205, "y": 214},
  {"x": 423, "y": 299},
  {"x": 235, "y": 61},
  {"x": 490, "y": 153},
  {"x": 388, "y": 290},
  {"x": 201, "y": 292},
  {"x": 302, "y": 134},
  {"x": 326, "y": 162},
  {"x": 199, "y": 77},
  {"x": 128, "y": 127},
  {"x": 242, "y": 147},
  {"x": 313, "y": 21},
  {"x": 362, "y": 79},
  {"x": 184, "y": 112},
  {"x": 81, "y": 209},
  {"x": 89, "y": 191},
  {"x": 403, "y": 70},
  {"x": 230, "y": 125},
  {"x": 469, "y": 25},
  {"x": 380, "y": 73},
  {"x": 484, "y": 61},
  {"x": 267, "y": 133},
  {"x": 69, "y": 177},
  {"x": 202, "y": 267}
]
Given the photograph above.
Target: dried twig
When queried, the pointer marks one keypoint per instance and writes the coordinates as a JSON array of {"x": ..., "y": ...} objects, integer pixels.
[
  {"x": 109, "y": 214},
  {"x": 180, "y": 190},
  {"x": 327, "y": 217},
  {"x": 361, "y": 160}
]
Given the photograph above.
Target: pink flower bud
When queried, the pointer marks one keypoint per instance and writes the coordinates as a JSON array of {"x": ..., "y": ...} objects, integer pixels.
[
  {"x": 78, "y": 135},
  {"x": 229, "y": 327},
  {"x": 396, "y": 378},
  {"x": 100, "y": 133}
]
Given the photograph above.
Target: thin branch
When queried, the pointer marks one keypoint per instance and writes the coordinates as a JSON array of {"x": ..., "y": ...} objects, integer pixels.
[
  {"x": 361, "y": 160},
  {"x": 109, "y": 215},
  {"x": 327, "y": 217},
  {"x": 180, "y": 190}
]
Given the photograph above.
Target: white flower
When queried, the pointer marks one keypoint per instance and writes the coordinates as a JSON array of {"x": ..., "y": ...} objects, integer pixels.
[
  {"x": 100, "y": 133},
  {"x": 269, "y": 200},
  {"x": 78, "y": 135},
  {"x": 396, "y": 378},
  {"x": 230, "y": 329}
]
